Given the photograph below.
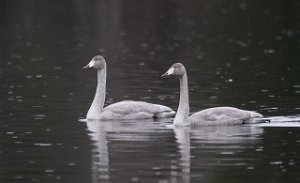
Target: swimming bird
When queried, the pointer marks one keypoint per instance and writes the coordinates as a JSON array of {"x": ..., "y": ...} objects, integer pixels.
[
  {"x": 208, "y": 117},
  {"x": 121, "y": 110}
]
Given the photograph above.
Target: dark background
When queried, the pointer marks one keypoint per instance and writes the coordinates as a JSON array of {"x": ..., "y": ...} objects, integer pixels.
[{"x": 240, "y": 53}]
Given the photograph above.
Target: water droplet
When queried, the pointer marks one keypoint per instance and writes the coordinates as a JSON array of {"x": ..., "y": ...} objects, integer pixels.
[
  {"x": 48, "y": 171},
  {"x": 42, "y": 144},
  {"x": 18, "y": 177},
  {"x": 57, "y": 68},
  {"x": 296, "y": 86},
  {"x": 242, "y": 44},
  {"x": 269, "y": 51},
  {"x": 227, "y": 153},
  {"x": 39, "y": 116},
  {"x": 134, "y": 179},
  {"x": 244, "y": 58},
  {"x": 291, "y": 162},
  {"x": 230, "y": 80},
  {"x": 264, "y": 90},
  {"x": 275, "y": 162},
  {"x": 37, "y": 106},
  {"x": 38, "y": 76}
]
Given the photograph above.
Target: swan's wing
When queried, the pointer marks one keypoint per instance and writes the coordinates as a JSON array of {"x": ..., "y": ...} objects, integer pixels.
[
  {"x": 221, "y": 115},
  {"x": 133, "y": 110}
]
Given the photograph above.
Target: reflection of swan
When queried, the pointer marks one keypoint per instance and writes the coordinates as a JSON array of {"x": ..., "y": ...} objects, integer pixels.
[
  {"x": 195, "y": 148},
  {"x": 100, "y": 161},
  {"x": 123, "y": 109},
  {"x": 184, "y": 144},
  {"x": 98, "y": 132},
  {"x": 207, "y": 117},
  {"x": 136, "y": 149}
]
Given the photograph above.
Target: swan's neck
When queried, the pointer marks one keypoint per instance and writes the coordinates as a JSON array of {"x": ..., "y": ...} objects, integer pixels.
[
  {"x": 99, "y": 99},
  {"x": 183, "y": 108}
]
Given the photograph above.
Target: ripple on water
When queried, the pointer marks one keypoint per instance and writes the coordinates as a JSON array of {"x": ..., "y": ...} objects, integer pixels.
[
  {"x": 227, "y": 153},
  {"x": 250, "y": 168},
  {"x": 40, "y": 144},
  {"x": 39, "y": 76},
  {"x": 38, "y": 116},
  {"x": 57, "y": 68},
  {"x": 276, "y": 162}
]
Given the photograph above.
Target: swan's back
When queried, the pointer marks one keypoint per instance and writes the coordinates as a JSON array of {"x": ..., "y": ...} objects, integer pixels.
[
  {"x": 134, "y": 110},
  {"x": 223, "y": 116}
]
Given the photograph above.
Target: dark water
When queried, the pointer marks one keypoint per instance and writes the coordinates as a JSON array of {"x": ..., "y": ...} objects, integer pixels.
[{"x": 237, "y": 53}]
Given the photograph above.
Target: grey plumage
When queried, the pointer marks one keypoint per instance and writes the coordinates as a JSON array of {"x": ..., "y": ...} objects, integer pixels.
[
  {"x": 124, "y": 109},
  {"x": 208, "y": 117}
]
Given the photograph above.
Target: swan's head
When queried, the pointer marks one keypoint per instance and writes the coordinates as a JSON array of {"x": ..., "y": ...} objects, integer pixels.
[
  {"x": 98, "y": 62},
  {"x": 176, "y": 69}
]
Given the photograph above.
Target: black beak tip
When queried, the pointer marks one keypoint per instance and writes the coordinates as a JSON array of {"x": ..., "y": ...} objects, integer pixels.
[
  {"x": 164, "y": 75},
  {"x": 85, "y": 67}
]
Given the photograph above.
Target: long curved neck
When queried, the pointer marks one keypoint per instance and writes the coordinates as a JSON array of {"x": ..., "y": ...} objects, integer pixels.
[
  {"x": 99, "y": 99},
  {"x": 183, "y": 108}
]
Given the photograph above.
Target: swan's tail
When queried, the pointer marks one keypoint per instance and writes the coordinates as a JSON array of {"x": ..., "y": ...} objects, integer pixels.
[
  {"x": 163, "y": 112},
  {"x": 256, "y": 117},
  {"x": 255, "y": 114}
]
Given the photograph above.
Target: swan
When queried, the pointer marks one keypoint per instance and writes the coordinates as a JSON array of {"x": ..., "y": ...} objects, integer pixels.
[
  {"x": 207, "y": 117},
  {"x": 121, "y": 110}
]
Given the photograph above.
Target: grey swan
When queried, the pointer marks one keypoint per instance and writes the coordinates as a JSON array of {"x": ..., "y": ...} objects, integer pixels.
[
  {"x": 121, "y": 110},
  {"x": 208, "y": 117}
]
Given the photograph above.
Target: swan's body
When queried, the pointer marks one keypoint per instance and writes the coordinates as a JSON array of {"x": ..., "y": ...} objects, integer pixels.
[
  {"x": 223, "y": 116},
  {"x": 124, "y": 109},
  {"x": 128, "y": 109},
  {"x": 208, "y": 117}
]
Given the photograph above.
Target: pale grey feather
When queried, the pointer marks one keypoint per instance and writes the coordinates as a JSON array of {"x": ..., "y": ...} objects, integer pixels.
[
  {"x": 124, "y": 109},
  {"x": 208, "y": 117}
]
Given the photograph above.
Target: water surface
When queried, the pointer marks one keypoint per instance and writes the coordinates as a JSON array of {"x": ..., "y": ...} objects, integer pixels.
[{"x": 242, "y": 54}]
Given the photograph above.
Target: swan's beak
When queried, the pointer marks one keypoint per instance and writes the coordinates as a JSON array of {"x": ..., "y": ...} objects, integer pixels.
[
  {"x": 86, "y": 67},
  {"x": 90, "y": 65},
  {"x": 164, "y": 75},
  {"x": 168, "y": 73}
]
